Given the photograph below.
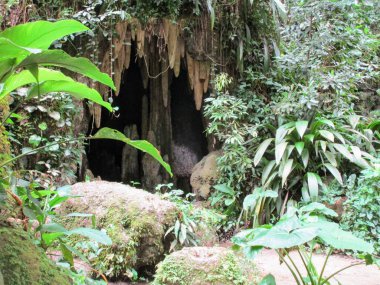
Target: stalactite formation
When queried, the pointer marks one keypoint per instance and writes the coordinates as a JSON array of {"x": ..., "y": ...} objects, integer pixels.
[{"x": 168, "y": 40}]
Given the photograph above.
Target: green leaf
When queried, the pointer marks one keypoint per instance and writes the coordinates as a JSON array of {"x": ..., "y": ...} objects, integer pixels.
[
  {"x": 309, "y": 137},
  {"x": 301, "y": 127},
  {"x": 41, "y": 34},
  {"x": 331, "y": 158},
  {"x": 94, "y": 235},
  {"x": 107, "y": 133},
  {"x": 287, "y": 170},
  {"x": 183, "y": 234},
  {"x": 320, "y": 122},
  {"x": 49, "y": 238},
  {"x": 53, "y": 228},
  {"x": 335, "y": 172},
  {"x": 266, "y": 171},
  {"x": 279, "y": 151},
  {"x": 10, "y": 50},
  {"x": 281, "y": 9},
  {"x": 25, "y": 77},
  {"x": 316, "y": 207},
  {"x": 261, "y": 150},
  {"x": 67, "y": 254},
  {"x": 354, "y": 120},
  {"x": 332, "y": 235},
  {"x": 305, "y": 157},
  {"x": 281, "y": 236},
  {"x": 224, "y": 188},
  {"x": 5, "y": 67},
  {"x": 281, "y": 133},
  {"x": 42, "y": 126},
  {"x": 326, "y": 134},
  {"x": 78, "y": 90},
  {"x": 312, "y": 182},
  {"x": 299, "y": 147},
  {"x": 343, "y": 150},
  {"x": 76, "y": 64},
  {"x": 268, "y": 280}
]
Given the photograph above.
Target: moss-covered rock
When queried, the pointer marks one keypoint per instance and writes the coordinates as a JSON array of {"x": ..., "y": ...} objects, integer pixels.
[
  {"x": 4, "y": 143},
  {"x": 205, "y": 266},
  {"x": 135, "y": 220},
  {"x": 23, "y": 263}
]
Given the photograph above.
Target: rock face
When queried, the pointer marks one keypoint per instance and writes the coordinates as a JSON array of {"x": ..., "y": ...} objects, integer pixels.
[
  {"x": 135, "y": 220},
  {"x": 204, "y": 175},
  {"x": 23, "y": 263},
  {"x": 205, "y": 266}
]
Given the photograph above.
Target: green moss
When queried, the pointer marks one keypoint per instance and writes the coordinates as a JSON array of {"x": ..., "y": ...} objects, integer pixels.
[
  {"x": 137, "y": 240},
  {"x": 22, "y": 262},
  {"x": 228, "y": 270},
  {"x": 4, "y": 143}
]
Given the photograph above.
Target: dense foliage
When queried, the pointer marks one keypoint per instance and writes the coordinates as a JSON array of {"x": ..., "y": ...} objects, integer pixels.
[
  {"x": 312, "y": 103},
  {"x": 294, "y": 107}
]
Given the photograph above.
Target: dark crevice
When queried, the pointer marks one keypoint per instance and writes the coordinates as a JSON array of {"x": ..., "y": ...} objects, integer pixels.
[
  {"x": 105, "y": 156},
  {"x": 189, "y": 140}
]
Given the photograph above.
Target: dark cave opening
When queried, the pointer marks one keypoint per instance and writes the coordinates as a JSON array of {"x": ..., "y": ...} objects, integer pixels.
[
  {"x": 105, "y": 156},
  {"x": 114, "y": 161},
  {"x": 189, "y": 139}
]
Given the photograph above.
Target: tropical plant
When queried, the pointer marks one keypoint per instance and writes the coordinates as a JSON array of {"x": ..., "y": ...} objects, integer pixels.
[
  {"x": 23, "y": 61},
  {"x": 298, "y": 227},
  {"x": 38, "y": 212},
  {"x": 257, "y": 203},
  {"x": 302, "y": 152},
  {"x": 362, "y": 208}
]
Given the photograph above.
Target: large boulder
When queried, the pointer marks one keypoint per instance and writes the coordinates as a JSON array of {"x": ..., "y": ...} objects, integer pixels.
[
  {"x": 205, "y": 266},
  {"x": 135, "y": 220},
  {"x": 204, "y": 175},
  {"x": 23, "y": 263}
]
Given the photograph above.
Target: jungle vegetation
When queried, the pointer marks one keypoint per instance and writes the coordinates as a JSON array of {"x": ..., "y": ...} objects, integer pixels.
[{"x": 287, "y": 91}]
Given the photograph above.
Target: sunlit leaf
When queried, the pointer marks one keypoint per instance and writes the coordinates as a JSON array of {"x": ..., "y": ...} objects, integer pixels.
[{"x": 107, "y": 133}]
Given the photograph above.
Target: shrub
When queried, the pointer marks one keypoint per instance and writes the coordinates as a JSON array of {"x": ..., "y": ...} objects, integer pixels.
[{"x": 362, "y": 208}]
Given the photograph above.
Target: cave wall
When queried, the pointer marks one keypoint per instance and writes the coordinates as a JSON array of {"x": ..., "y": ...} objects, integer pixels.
[{"x": 160, "y": 88}]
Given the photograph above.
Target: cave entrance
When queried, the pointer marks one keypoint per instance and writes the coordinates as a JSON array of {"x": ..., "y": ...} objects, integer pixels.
[
  {"x": 177, "y": 129},
  {"x": 189, "y": 140},
  {"x": 105, "y": 157}
]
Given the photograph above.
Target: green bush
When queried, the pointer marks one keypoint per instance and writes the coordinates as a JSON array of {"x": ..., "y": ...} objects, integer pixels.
[{"x": 362, "y": 208}]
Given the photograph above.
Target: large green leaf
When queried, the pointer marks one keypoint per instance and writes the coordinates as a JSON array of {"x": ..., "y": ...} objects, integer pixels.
[
  {"x": 94, "y": 235},
  {"x": 299, "y": 146},
  {"x": 305, "y": 157},
  {"x": 312, "y": 182},
  {"x": 5, "y": 67},
  {"x": 287, "y": 170},
  {"x": 107, "y": 133},
  {"x": 318, "y": 208},
  {"x": 76, "y": 64},
  {"x": 41, "y": 34},
  {"x": 266, "y": 171},
  {"x": 337, "y": 238},
  {"x": 279, "y": 151},
  {"x": 335, "y": 172},
  {"x": 9, "y": 49},
  {"x": 78, "y": 90},
  {"x": 261, "y": 150},
  {"x": 343, "y": 151},
  {"x": 326, "y": 134},
  {"x": 25, "y": 77},
  {"x": 284, "y": 236},
  {"x": 301, "y": 127}
]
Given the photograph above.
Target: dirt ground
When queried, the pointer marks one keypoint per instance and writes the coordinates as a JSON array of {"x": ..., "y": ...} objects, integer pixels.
[{"x": 268, "y": 262}]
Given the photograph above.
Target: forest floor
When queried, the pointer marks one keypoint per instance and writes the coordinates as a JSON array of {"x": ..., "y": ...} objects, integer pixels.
[{"x": 268, "y": 262}]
